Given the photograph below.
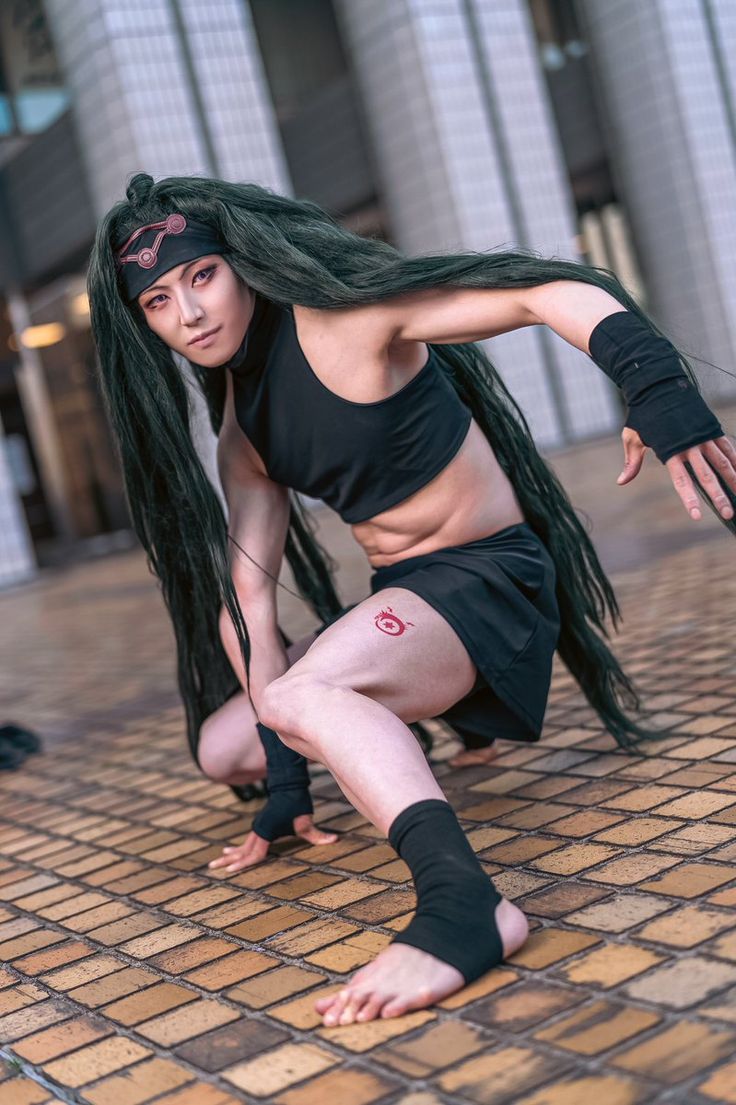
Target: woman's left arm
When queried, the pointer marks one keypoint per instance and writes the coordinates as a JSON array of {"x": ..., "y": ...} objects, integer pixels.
[
  {"x": 665, "y": 412},
  {"x": 670, "y": 417}
]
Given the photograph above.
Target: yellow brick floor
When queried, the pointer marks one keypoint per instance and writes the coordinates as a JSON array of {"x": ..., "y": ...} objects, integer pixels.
[{"x": 130, "y": 974}]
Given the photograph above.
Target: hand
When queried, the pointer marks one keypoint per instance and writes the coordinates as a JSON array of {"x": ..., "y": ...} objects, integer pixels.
[
  {"x": 254, "y": 848},
  {"x": 718, "y": 455}
]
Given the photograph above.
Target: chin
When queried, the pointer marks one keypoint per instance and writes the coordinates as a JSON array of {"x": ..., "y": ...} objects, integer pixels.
[{"x": 208, "y": 358}]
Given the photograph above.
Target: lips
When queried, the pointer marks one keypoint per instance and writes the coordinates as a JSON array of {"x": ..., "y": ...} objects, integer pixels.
[{"x": 201, "y": 337}]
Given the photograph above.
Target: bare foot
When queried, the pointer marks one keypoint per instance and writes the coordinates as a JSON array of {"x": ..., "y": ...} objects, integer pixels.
[
  {"x": 403, "y": 978},
  {"x": 473, "y": 757},
  {"x": 254, "y": 848}
]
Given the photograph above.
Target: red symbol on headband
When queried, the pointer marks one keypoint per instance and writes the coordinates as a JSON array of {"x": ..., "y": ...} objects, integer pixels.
[
  {"x": 148, "y": 256},
  {"x": 389, "y": 623}
]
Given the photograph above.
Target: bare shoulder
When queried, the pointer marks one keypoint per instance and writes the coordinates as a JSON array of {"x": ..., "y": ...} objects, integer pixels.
[
  {"x": 367, "y": 323},
  {"x": 327, "y": 335},
  {"x": 440, "y": 315}
]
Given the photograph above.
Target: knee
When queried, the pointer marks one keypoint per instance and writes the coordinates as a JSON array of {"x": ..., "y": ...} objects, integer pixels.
[
  {"x": 293, "y": 703},
  {"x": 217, "y": 758}
]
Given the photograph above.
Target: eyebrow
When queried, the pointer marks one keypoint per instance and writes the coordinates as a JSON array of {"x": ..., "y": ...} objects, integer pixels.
[{"x": 185, "y": 270}]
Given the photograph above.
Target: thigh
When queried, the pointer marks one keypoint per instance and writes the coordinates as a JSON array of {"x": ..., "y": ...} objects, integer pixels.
[{"x": 397, "y": 649}]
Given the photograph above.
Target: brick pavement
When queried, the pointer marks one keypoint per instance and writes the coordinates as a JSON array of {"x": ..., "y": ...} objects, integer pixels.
[{"x": 132, "y": 974}]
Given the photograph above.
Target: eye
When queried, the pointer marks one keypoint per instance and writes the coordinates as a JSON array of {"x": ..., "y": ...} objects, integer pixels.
[
  {"x": 205, "y": 272},
  {"x": 202, "y": 272}
]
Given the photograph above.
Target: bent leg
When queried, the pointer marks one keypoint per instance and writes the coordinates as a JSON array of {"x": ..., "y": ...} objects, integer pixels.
[
  {"x": 348, "y": 700},
  {"x": 347, "y": 703},
  {"x": 230, "y": 750}
]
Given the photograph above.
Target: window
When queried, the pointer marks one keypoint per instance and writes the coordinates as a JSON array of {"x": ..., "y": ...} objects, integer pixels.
[{"x": 32, "y": 95}]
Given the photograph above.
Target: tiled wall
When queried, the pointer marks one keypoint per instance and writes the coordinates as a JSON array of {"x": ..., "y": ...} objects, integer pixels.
[
  {"x": 132, "y": 93},
  {"x": 675, "y": 161},
  {"x": 234, "y": 92},
  {"x": 468, "y": 159},
  {"x": 133, "y": 67}
]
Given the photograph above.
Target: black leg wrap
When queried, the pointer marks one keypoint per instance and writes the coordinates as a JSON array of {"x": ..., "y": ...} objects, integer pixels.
[
  {"x": 247, "y": 792},
  {"x": 288, "y": 788},
  {"x": 456, "y": 900}
]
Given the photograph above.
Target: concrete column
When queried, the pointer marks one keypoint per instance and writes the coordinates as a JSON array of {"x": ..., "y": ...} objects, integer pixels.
[
  {"x": 17, "y": 560},
  {"x": 168, "y": 87},
  {"x": 666, "y": 74},
  {"x": 31, "y": 381},
  {"x": 469, "y": 160}
]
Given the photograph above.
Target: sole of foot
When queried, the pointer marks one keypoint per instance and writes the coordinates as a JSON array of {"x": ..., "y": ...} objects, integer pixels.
[
  {"x": 403, "y": 979},
  {"x": 474, "y": 757}
]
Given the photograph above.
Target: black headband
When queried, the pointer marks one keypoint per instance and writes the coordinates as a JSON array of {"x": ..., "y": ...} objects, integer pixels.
[{"x": 161, "y": 246}]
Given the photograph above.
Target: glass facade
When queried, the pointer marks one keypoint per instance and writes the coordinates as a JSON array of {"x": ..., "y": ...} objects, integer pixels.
[{"x": 32, "y": 92}]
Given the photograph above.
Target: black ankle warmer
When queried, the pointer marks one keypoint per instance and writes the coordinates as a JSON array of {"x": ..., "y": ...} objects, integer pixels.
[
  {"x": 456, "y": 900},
  {"x": 288, "y": 787}
]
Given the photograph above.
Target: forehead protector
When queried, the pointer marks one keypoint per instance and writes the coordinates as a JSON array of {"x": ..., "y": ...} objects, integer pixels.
[{"x": 153, "y": 249}]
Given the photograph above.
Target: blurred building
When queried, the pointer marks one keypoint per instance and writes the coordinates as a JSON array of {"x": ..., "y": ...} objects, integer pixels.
[{"x": 599, "y": 130}]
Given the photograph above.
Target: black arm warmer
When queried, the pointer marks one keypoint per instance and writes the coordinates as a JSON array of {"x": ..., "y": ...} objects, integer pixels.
[
  {"x": 665, "y": 409},
  {"x": 288, "y": 787}
]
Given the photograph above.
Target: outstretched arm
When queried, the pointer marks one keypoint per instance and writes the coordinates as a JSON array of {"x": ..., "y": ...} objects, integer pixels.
[{"x": 666, "y": 412}]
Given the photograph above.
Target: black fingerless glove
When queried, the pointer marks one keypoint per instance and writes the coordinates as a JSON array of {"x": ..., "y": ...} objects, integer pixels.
[
  {"x": 665, "y": 408},
  {"x": 288, "y": 788}
]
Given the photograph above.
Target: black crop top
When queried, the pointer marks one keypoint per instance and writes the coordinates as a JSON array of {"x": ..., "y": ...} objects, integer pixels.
[{"x": 359, "y": 458}]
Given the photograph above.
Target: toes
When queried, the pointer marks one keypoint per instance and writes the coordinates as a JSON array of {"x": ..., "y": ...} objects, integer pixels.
[
  {"x": 355, "y": 1003},
  {"x": 323, "y": 1004},
  {"x": 397, "y": 1006},
  {"x": 349, "y": 1006},
  {"x": 333, "y": 1014},
  {"x": 372, "y": 1008}
]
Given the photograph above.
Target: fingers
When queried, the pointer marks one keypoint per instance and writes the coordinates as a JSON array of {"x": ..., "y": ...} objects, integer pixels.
[
  {"x": 726, "y": 446},
  {"x": 684, "y": 486},
  {"x": 721, "y": 456},
  {"x": 634, "y": 449},
  {"x": 253, "y": 850},
  {"x": 316, "y": 836},
  {"x": 707, "y": 477},
  {"x": 305, "y": 828}
]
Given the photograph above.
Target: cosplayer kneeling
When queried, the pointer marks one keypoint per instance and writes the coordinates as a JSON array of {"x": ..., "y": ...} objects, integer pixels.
[{"x": 335, "y": 366}]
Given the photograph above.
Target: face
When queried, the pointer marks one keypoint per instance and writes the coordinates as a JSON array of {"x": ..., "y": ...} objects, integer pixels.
[{"x": 197, "y": 297}]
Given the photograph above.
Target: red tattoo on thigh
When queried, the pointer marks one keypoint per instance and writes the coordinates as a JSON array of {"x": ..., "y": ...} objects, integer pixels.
[{"x": 390, "y": 623}]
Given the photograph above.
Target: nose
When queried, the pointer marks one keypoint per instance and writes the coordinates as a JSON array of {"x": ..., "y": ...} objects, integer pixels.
[{"x": 190, "y": 311}]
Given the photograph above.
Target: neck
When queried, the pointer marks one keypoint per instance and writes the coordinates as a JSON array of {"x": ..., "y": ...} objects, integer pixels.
[{"x": 246, "y": 347}]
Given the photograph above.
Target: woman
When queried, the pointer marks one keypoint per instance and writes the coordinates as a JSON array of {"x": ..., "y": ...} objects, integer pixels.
[{"x": 336, "y": 366}]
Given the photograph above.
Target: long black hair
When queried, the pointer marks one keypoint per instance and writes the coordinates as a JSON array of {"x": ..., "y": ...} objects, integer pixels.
[{"x": 292, "y": 251}]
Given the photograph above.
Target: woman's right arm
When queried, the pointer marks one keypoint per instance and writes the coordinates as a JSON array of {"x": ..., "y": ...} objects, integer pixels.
[{"x": 258, "y": 521}]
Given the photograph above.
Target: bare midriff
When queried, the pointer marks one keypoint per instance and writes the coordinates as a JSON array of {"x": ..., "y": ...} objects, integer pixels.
[{"x": 470, "y": 498}]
